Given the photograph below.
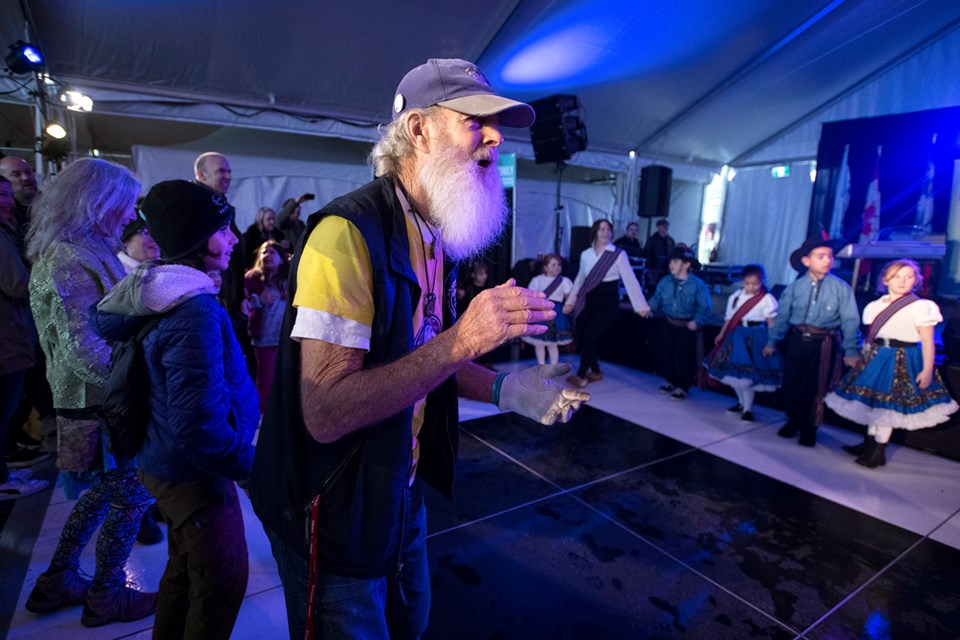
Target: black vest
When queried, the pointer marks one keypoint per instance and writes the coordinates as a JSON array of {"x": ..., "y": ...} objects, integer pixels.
[{"x": 361, "y": 478}]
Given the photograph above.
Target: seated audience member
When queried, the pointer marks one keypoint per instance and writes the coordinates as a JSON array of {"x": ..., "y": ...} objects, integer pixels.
[
  {"x": 660, "y": 248},
  {"x": 199, "y": 438},
  {"x": 264, "y": 228},
  {"x": 629, "y": 242},
  {"x": 289, "y": 222},
  {"x": 266, "y": 291}
]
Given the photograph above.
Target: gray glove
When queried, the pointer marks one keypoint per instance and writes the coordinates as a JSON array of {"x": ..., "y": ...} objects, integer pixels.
[{"x": 533, "y": 394}]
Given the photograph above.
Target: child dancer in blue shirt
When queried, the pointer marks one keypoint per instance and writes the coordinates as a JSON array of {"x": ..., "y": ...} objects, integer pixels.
[
  {"x": 684, "y": 300},
  {"x": 814, "y": 308}
]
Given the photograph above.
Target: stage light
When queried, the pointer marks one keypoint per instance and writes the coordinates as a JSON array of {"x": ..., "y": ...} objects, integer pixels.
[
  {"x": 24, "y": 58},
  {"x": 76, "y": 101},
  {"x": 728, "y": 173},
  {"x": 56, "y": 130},
  {"x": 633, "y": 154}
]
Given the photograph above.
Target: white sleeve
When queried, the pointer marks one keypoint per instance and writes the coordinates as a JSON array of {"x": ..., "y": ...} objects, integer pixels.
[
  {"x": 926, "y": 313},
  {"x": 631, "y": 283}
]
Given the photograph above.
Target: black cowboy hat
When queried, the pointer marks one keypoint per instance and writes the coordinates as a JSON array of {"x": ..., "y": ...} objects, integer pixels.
[
  {"x": 683, "y": 253},
  {"x": 811, "y": 243}
]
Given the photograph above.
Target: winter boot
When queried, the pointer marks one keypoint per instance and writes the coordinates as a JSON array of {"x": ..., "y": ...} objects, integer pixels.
[
  {"x": 859, "y": 449},
  {"x": 874, "y": 457},
  {"x": 117, "y": 604},
  {"x": 55, "y": 590}
]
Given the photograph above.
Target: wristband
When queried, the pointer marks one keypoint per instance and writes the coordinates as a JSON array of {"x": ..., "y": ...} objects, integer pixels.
[{"x": 497, "y": 384}]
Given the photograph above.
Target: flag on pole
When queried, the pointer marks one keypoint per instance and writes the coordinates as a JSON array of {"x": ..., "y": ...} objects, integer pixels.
[
  {"x": 841, "y": 199},
  {"x": 871, "y": 209},
  {"x": 924, "y": 218}
]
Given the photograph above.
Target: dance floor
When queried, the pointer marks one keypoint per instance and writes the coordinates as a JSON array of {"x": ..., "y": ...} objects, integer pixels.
[{"x": 644, "y": 517}]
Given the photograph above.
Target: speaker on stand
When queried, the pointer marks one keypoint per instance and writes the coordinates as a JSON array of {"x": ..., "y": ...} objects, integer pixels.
[
  {"x": 556, "y": 135},
  {"x": 654, "y": 194}
]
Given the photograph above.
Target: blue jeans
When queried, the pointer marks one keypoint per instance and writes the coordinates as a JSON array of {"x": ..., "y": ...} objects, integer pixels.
[{"x": 348, "y": 608}]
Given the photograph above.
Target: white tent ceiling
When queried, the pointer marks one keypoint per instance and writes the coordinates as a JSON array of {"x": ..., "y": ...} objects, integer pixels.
[{"x": 699, "y": 81}]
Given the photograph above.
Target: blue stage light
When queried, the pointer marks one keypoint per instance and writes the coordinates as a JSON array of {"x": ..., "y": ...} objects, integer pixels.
[{"x": 24, "y": 58}]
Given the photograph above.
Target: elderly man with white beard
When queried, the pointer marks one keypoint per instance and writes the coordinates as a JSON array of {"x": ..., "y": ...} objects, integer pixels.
[{"x": 364, "y": 406}]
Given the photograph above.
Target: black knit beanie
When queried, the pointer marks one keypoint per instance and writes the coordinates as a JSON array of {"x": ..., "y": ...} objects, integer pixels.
[{"x": 181, "y": 216}]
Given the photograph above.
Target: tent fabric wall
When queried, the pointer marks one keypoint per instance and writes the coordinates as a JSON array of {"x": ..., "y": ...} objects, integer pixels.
[
  {"x": 928, "y": 79},
  {"x": 765, "y": 219}
]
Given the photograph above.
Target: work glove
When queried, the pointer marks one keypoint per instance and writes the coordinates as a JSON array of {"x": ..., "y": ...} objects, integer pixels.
[{"x": 533, "y": 394}]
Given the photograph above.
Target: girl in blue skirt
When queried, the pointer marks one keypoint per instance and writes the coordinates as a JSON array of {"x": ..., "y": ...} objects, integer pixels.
[
  {"x": 560, "y": 329},
  {"x": 896, "y": 386},
  {"x": 737, "y": 360}
]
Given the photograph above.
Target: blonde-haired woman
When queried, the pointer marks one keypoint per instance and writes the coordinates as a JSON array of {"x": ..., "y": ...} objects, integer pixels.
[
  {"x": 264, "y": 228},
  {"x": 73, "y": 242}
]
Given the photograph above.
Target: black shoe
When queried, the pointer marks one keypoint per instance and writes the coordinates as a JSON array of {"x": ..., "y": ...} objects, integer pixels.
[
  {"x": 737, "y": 408},
  {"x": 874, "y": 457},
  {"x": 149, "y": 532},
  {"x": 24, "y": 458},
  {"x": 667, "y": 388},
  {"x": 808, "y": 437},
  {"x": 788, "y": 430},
  {"x": 678, "y": 394},
  {"x": 747, "y": 416},
  {"x": 858, "y": 449}
]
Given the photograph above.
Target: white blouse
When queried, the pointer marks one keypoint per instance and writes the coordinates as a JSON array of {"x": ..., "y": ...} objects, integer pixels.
[
  {"x": 766, "y": 308},
  {"x": 903, "y": 325},
  {"x": 619, "y": 270},
  {"x": 541, "y": 282}
]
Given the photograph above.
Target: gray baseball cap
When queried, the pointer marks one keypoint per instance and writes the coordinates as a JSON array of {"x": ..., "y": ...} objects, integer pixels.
[{"x": 461, "y": 86}]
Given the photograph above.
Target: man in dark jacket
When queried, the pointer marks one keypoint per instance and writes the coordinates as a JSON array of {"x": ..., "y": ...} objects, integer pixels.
[
  {"x": 364, "y": 404},
  {"x": 629, "y": 241}
]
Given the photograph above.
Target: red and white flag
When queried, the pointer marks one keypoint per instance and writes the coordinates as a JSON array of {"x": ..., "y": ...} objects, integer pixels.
[{"x": 871, "y": 209}]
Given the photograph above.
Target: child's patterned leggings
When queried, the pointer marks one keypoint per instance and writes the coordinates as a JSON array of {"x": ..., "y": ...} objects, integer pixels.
[{"x": 118, "y": 499}]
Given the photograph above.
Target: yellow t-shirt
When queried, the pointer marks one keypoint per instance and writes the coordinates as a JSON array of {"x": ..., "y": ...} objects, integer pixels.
[{"x": 334, "y": 298}]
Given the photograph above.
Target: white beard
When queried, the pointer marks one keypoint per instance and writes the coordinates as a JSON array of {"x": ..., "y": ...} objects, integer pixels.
[{"x": 466, "y": 201}]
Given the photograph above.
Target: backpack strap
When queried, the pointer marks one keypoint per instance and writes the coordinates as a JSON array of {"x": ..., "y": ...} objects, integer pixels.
[{"x": 148, "y": 327}]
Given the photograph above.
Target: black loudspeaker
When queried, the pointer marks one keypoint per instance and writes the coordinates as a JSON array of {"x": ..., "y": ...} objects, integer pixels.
[
  {"x": 655, "y": 183},
  {"x": 558, "y": 132},
  {"x": 579, "y": 240}
]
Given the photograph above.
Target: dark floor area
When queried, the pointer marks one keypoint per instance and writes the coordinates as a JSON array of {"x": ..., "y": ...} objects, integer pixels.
[{"x": 604, "y": 529}]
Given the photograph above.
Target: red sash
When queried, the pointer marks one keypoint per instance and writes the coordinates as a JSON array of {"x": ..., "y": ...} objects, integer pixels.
[
  {"x": 739, "y": 314},
  {"x": 888, "y": 313},
  {"x": 595, "y": 277}
]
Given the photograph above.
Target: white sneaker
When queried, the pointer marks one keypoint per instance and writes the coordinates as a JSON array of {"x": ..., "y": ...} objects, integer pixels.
[{"x": 17, "y": 488}]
